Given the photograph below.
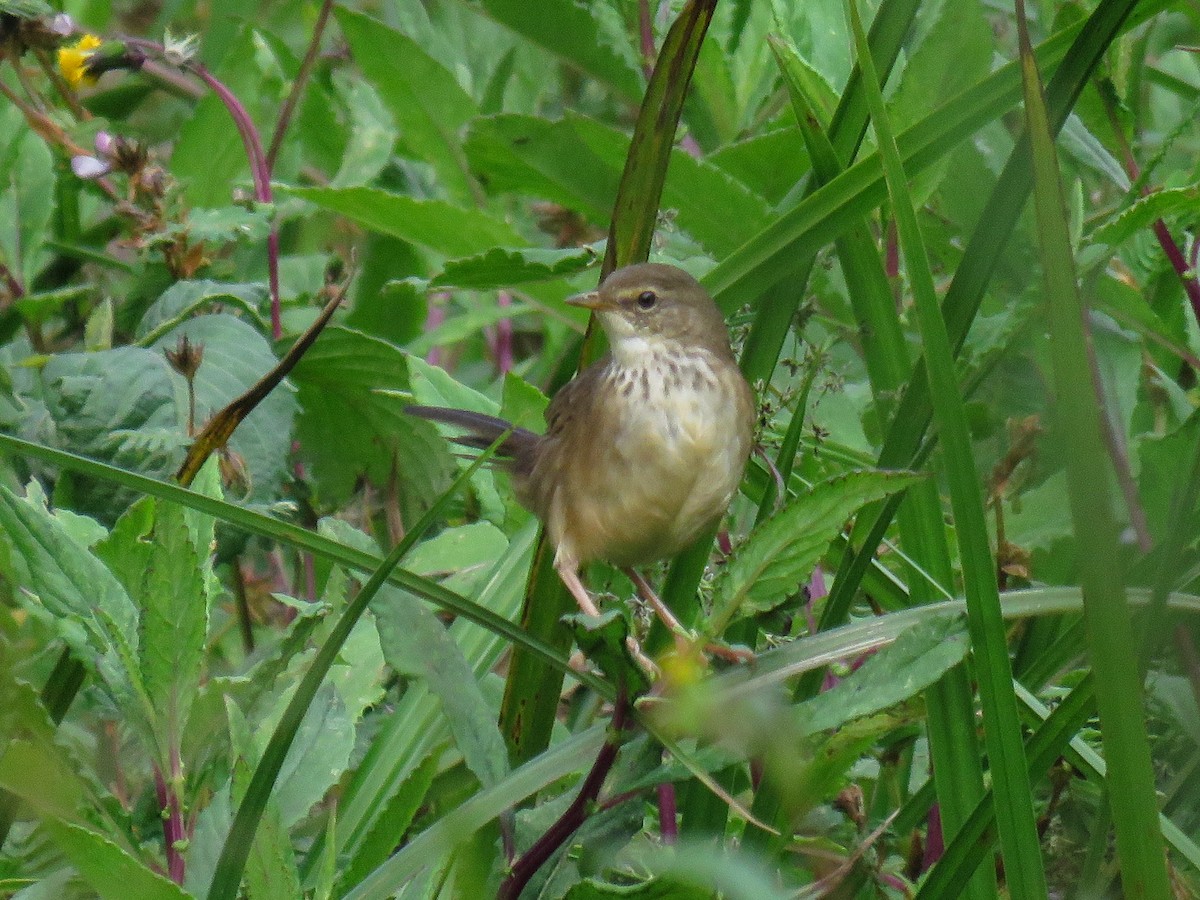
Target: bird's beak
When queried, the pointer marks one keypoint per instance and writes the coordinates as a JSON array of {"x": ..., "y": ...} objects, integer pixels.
[{"x": 591, "y": 300}]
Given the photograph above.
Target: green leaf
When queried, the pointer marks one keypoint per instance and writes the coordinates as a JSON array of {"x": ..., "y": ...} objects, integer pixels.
[
  {"x": 351, "y": 388},
  {"x": 580, "y": 34},
  {"x": 501, "y": 267},
  {"x": 898, "y": 672},
  {"x": 455, "y": 549},
  {"x": 26, "y": 205},
  {"x": 185, "y": 298},
  {"x": 372, "y": 132},
  {"x": 1144, "y": 211},
  {"x": 769, "y": 567},
  {"x": 603, "y": 641},
  {"x": 415, "y": 643},
  {"x": 236, "y": 356},
  {"x": 434, "y": 224},
  {"x": 111, "y": 871},
  {"x": 174, "y": 621},
  {"x": 425, "y": 98},
  {"x": 84, "y": 601}
]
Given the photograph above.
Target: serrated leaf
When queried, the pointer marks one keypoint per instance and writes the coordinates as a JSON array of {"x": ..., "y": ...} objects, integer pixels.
[
  {"x": 1142, "y": 213},
  {"x": 603, "y": 641},
  {"x": 436, "y": 224},
  {"x": 501, "y": 267},
  {"x": 901, "y": 670},
  {"x": 112, "y": 872},
  {"x": 174, "y": 621},
  {"x": 185, "y": 298},
  {"x": 415, "y": 643},
  {"x": 426, "y": 100},
  {"x": 85, "y": 602},
  {"x": 221, "y": 225},
  {"x": 351, "y": 389},
  {"x": 770, "y": 565}
]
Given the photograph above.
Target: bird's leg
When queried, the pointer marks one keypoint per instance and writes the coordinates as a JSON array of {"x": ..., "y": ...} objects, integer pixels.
[
  {"x": 568, "y": 571},
  {"x": 683, "y": 638},
  {"x": 648, "y": 594}
]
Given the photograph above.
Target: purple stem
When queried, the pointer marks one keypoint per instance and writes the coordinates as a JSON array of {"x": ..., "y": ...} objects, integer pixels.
[
  {"x": 433, "y": 318},
  {"x": 502, "y": 337},
  {"x": 646, "y": 29},
  {"x": 573, "y": 816},
  {"x": 172, "y": 825},
  {"x": 667, "y": 825},
  {"x": 934, "y": 842}
]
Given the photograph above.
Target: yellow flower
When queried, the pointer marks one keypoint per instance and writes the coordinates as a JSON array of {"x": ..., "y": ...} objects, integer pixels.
[{"x": 72, "y": 60}]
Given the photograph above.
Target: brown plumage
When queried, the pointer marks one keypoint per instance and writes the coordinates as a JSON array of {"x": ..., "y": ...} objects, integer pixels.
[{"x": 645, "y": 448}]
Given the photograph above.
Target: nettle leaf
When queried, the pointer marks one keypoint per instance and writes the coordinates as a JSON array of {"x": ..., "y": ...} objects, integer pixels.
[
  {"x": 416, "y": 643},
  {"x": 236, "y": 356},
  {"x": 918, "y": 658},
  {"x": 1142, "y": 213},
  {"x": 425, "y": 98},
  {"x": 352, "y": 390},
  {"x": 174, "y": 618},
  {"x": 108, "y": 868},
  {"x": 122, "y": 406},
  {"x": 185, "y": 298},
  {"x": 436, "y": 224},
  {"x": 781, "y": 552},
  {"x": 221, "y": 225},
  {"x": 501, "y": 267},
  {"x": 579, "y": 33},
  {"x": 86, "y": 604}
]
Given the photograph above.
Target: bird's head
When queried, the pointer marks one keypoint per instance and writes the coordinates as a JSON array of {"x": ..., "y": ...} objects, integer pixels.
[{"x": 651, "y": 306}]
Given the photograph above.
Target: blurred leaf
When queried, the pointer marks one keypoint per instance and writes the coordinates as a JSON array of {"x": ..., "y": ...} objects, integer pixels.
[
  {"x": 415, "y": 643},
  {"x": 426, "y": 101},
  {"x": 455, "y": 549},
  {"x": 372, "y": 131},
  {"x": 781, "y": 552},
  {"x": 435, "y": 224},
  {"x": 579, "y": 34},
  {"x": 111, "y": 871},
  {"x": 26, "y": 204},
  {"x": 218, "y": 226},
  {"x": 900, "y": 671},
  {"x": 351, "y": 388},
  {"x": 502, "y": 268},
  {"x": 1143, "y": 212}
]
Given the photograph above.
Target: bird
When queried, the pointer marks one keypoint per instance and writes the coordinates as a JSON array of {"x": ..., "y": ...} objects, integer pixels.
[{"x": 645, "y": 448}]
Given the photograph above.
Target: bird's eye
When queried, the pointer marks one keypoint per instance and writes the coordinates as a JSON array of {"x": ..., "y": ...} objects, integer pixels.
[{"x": 647, "y": 299}]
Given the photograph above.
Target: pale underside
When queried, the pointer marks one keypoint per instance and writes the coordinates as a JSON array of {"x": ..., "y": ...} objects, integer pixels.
[{"x": 649, "y": 474}]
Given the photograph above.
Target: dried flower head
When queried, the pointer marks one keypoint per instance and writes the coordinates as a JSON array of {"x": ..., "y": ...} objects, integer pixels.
[
  {"x": 179, "y": 51},
  {"x": 186, "y": 357}
]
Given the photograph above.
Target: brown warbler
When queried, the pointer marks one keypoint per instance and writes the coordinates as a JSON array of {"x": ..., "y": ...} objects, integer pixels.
[{"x": 645, "y": 448}]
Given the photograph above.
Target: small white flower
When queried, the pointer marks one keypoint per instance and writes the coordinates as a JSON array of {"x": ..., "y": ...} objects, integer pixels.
[
  {"x": 179, "y": 51},
  {"x": 88, "y": 167}
]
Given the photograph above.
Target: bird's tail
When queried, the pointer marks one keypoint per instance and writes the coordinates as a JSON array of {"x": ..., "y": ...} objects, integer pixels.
[{"x": 481, "y": 431}]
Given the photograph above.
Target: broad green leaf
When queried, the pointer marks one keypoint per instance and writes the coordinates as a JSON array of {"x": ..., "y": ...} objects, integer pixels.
[
  {"x": 83, "y": 600},
  {"x": 123, "y": 406},
  {"x": 584, "y": 35},
  {"x": 415, "y": 643},
  {"x": 898, "y": 672},
  {"x": 351, "y": 388},
  {"x": 110, "y": 870},
  {"x": 467, "y": 546},
  {"x": 26, "y": 204},
  {"x": 174, "y": 621},
  {"x": 185, "y": 298},
  {"x": 769, "y": 163},
  {"x": 236, "y": 356},
  {"x": 781, "y": 552},
  {"x": 435, "y": 224},
  {"x": 500, "y": 267},
  {"x": 40, "y": 774},
  {"x": 318, "y": 755},
  {"x": 372, "y": 132},
  {"x": 425, "y": 99}
]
